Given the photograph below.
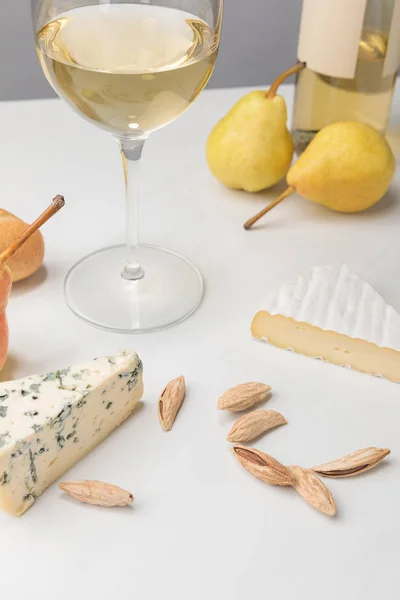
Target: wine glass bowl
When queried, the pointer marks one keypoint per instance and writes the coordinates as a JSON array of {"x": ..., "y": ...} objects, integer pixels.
[{"x": 130, "y": 68}]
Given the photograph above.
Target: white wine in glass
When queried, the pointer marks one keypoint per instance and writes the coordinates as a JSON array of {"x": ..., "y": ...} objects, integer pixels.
[{"x": 130, "y": 68}]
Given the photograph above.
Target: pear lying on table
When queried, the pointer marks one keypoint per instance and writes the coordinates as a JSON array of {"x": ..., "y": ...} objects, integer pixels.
[
  {"x": 251, "y": 147},
  {"x": 5, "y": 272},
  {"x": 348, "y": 167},
  {"x": 30, "y": 256}
]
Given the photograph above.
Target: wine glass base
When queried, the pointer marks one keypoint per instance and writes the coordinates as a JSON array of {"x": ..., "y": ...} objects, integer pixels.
[{"x": 170, "y": 291}]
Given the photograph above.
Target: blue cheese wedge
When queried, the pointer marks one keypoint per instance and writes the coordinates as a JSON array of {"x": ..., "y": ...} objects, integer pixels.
[
  {"x": 331, "y": 313},
  {"x": 49, "y": 422}
]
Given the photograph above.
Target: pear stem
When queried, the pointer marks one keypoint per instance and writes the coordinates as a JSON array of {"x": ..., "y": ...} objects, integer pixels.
[
  {"x": 282, "y": 77},
  {"x": 56, "y": 205},
  {"x": 249, "y": 224}
]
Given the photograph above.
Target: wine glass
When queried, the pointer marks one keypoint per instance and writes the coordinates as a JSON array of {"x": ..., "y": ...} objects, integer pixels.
[{"x": 130, "y": 68}]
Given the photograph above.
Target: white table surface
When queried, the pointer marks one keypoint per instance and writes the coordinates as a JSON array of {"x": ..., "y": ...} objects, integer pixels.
[{"x": 201, "y": 526}]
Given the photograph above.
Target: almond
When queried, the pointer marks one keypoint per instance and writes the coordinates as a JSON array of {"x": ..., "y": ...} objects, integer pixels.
[
  {"x": 352, "y": 464},
  {"x": 243, "y": 396},
  {"x": 170, "y": 401},
  {"x": 263, "y": 466},
  {"x": 311, "y": 488},
  {"x": 97, "y": 493},
  {"x": 253, "y": 424}
]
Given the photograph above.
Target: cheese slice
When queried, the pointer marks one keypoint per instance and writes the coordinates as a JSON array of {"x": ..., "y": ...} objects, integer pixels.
[
  {"x": 332, "y": 314},
  {"x": 49, "y": 422}
]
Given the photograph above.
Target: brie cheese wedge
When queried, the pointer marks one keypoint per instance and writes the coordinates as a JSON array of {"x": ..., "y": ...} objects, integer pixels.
[{"x": 332, "y": 314}]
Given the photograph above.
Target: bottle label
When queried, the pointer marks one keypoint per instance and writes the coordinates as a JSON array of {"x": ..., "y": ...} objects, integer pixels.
[
  {"x": 330, "y": 34},
  {"x": 392, "y": 60}
]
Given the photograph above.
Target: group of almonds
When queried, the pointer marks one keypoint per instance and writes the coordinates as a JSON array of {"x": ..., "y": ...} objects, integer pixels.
[
  {"x": 266, "y": 468},
  {"x": 248, "y": 427}
]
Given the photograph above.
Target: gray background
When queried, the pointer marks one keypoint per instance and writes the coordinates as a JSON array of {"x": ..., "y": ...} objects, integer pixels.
[{"x": 259, "y": 41}]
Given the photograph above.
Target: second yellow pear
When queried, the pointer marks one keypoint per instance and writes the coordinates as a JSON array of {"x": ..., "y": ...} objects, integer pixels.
[{"x": 347, "y": 167}]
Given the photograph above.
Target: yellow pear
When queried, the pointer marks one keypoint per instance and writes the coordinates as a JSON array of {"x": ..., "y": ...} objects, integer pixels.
[
  {"x": 251, "y": 148},
  {"x": 348, "y": 167}
]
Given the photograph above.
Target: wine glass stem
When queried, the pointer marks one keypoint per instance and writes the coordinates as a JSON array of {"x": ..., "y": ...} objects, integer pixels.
[{"x": 131, "y": 152}]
